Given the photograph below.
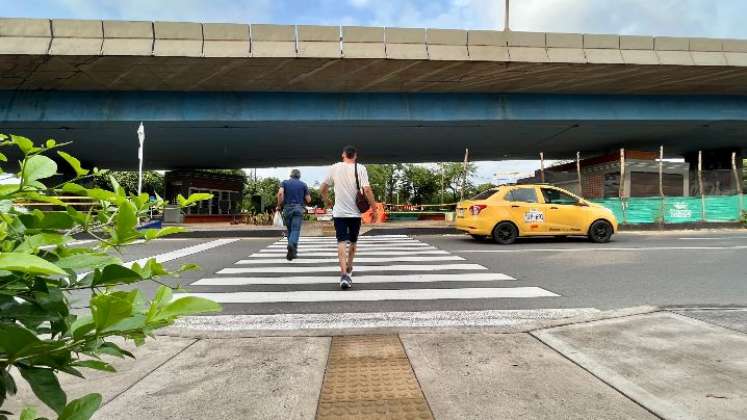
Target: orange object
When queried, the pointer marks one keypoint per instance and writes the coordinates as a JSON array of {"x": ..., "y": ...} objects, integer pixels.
[{"x": 381, "y": 217}]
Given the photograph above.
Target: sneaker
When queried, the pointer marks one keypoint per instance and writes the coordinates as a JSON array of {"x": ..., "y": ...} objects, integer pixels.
[
  {"x": 291, "y": 253},
  {"x": 346, "y": 282}
]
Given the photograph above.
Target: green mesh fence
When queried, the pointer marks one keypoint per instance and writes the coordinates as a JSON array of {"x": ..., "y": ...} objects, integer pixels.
[{"x": 640, "y": 210}]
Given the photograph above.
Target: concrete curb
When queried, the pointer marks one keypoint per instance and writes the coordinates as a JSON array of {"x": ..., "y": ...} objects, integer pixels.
[{"x": 325, "y": 325}]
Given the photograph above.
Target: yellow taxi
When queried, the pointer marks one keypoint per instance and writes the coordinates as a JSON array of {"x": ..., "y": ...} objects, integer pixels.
[{"x": 507, "y": 212}]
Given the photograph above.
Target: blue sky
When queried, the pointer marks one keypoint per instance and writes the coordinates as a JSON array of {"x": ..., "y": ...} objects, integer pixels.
[{"x": 694, "y": 18}]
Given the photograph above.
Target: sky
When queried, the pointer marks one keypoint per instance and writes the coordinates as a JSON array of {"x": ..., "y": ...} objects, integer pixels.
[{"x": 691, "y": 18}]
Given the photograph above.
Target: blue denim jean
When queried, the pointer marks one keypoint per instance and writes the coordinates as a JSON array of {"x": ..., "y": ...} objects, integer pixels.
[{"x": 293, "y": 218}]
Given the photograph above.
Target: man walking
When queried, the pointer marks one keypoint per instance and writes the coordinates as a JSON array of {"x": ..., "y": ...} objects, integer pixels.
[
  {"x": 349, "y": 179},
  {"x": 292, "y": 195}
]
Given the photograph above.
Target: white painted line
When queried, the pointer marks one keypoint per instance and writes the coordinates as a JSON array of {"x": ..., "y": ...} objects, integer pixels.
[
  {"x": 173, "y": 255},
  {"x": 712, "y": 238},
  {"x": 363, "y": 279},
  {"x": 360, "y": 246},
  {"x": 373, "y": 295},
  {"x": 334, "y": 242},
  {"x": 274, "y": 253},
  {"x": 362, "y": 238},
  {"x": 183, "y": 252},
  {"x": 402, "y": 258},
  {"x": 603, "y": 249},
  {"x": 358, "y": 268},
  {"x": 512, "y": 319}
]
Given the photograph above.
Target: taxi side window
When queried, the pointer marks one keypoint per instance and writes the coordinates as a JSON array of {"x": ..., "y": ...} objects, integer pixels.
[
  {"x": 524, "y": 195},
  {"x": 553, "y": 196}
]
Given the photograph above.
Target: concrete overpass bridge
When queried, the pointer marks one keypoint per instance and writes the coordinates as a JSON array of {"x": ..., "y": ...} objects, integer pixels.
[{"x": 233, "y": 95}]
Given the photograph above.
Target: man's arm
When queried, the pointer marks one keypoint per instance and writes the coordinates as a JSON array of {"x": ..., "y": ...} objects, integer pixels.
[
  {"x": 281, "y": 197},
  {"x": 324, "y": 191}
]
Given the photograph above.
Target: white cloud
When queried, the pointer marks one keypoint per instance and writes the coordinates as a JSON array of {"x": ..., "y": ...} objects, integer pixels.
[{"x": 358, "y": 3}]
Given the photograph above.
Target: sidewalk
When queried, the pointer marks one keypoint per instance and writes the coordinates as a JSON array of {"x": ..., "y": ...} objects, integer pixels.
[{"x": 675, "y": 363}]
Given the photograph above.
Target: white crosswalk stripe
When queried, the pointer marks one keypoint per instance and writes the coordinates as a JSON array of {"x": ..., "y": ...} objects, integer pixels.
[{"x": 397, "y": 262}]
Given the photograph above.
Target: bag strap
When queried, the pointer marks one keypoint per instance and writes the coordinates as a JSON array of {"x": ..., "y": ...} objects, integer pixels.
[{"x": 357, "y": 183}]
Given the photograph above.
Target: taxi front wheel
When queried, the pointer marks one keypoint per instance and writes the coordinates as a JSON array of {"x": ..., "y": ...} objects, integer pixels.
[
  {"x": 505, "y": 233},
  {"x": 600, "y": 231}
]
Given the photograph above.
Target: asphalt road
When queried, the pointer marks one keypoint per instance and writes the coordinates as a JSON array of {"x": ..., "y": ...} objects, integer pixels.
[{"x": 458, "y": 273}]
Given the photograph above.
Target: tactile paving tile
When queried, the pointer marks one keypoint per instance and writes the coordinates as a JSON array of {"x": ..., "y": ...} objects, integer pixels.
[{"x": 370, "y": 377}]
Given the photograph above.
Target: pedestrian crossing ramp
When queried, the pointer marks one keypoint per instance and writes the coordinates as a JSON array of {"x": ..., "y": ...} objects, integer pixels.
[{"x": 386, "y": 268}]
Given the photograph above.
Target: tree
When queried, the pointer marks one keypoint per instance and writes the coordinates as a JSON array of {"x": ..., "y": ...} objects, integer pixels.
[
  {"x": 40, "y": 336},
  {"x": 454, "y": 175},
  {"x": 384, "y": 180},
  {"x": 420, "y": 183},
  {"x": 267, "y": 188},
  {"x": 153, "y": 182}
]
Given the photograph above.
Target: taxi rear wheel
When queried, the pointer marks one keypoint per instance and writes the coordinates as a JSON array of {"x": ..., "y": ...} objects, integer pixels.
[
  {"x": 600, "y": 231},
  {"x": 505, "y": 233}
]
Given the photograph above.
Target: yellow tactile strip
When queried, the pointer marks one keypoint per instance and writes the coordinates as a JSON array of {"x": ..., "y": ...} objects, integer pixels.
[{"x": 370, "y": 377}]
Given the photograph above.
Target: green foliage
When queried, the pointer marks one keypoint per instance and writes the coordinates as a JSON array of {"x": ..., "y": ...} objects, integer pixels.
[
  {"x": 153, "y": 182},
  {"x": 267, "y": 188},
  {"x": 39, "y": 336}
]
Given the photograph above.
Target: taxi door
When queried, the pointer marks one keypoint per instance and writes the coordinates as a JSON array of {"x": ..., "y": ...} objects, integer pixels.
[
  {"x": 525, "y": 208},
  {"x": 562, "y": 213}
]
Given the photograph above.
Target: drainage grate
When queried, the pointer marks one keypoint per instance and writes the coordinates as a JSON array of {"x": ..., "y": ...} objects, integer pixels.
[{"x": 370, "y": 377}]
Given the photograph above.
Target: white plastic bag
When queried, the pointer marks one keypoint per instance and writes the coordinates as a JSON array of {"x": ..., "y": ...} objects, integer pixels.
[{"x": 277, "y": 220}]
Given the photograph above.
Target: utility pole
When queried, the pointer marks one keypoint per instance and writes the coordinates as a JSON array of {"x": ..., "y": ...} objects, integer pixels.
[{"x": 506, "y": 26}]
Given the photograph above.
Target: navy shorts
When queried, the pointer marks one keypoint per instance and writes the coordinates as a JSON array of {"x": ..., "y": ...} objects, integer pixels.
[{"x": 347, "y": 229}]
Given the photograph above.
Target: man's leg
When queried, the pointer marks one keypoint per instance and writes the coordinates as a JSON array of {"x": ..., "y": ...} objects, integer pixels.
[
  {"x": 295, "y": 229},
  {"x": 355, "y": 228},
  {"x": 287, "y": 221},
  {"x": 341, "y": 232}
]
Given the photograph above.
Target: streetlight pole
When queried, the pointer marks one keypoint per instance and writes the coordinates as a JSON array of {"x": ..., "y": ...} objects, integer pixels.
[
  {"x": 141, "y": 138},
  {"x": 506, "y": 26}
]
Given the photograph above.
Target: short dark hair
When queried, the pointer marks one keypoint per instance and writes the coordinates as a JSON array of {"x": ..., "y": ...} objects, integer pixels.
[{"x": 349, "y": 151}]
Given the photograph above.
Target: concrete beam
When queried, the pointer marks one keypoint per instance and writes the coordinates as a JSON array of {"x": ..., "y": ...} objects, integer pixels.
[
  {"x": 76, "y": 37},
  {"x": 179, "y": 39},
  {"x": 363, "y": 42},
  {"x": 601, "y": 42},
  {"x": 447, "y": 44},
  {"x": 565, "y": 48},
  {"x": 527, "y": 47},
  {"x": 25, "y": 36},
  {"x": 319, "y": 41},
  {"x": 673, "y": 51},
  {"x": 735, "y": 51},
  {"x": 638, "y": 50},
  {"x": 127, "y": 38},
  {"x": 487, "y": 45},
  {"x": 406, "y": 44},
  {"x": 273, "y": 41},
  {"x": 226, "y": 40}
]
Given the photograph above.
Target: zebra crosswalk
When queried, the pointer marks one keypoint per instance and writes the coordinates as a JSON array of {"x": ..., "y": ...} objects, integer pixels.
[{"x": 387, "y": 268}]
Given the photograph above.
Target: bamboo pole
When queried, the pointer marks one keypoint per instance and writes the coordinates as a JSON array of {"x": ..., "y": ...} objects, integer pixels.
[
  {"x": 738, "y": 180},
  {"x": 621, "y": 190},
  {"x": 700, "y": 186},
  {"x": 578, "y": 174},
  {"x": 464, "y": 178},
  {"x": 542, "y": 167},
  {"x": 661, "y": 184},
  {"x": 661, "y": 171}
]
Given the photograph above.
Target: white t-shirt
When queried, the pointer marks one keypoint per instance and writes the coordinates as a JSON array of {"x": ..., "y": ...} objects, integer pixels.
[{"x": 341, "y": 175}]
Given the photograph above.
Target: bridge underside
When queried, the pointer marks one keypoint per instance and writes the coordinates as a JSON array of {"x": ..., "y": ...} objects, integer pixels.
[{"x": 235, "y": 130}]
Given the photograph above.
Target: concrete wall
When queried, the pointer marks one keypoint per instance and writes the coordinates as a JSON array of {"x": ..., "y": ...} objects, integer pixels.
[{"x": 185, "y": 39}]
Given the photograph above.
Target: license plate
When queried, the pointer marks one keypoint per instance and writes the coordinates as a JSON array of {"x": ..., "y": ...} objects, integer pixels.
[{"x": 460, "y": 212}]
